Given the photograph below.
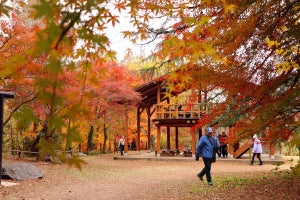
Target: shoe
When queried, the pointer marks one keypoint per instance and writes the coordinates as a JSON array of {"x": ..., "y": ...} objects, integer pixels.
[
  {"x": 251, "y": 163},
  {"x": 260, "y": 164},
  {"x": 210, "y": 183},
  {"x": 200, "y": 177}
]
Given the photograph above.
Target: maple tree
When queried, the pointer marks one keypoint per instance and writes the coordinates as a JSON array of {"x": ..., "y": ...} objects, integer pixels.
[
  {"x": 244, "y": 53},
  {"x": 242, "y": 56},
  {"x": 109, "y": 94},
  {"x": 57, "y": 70}
]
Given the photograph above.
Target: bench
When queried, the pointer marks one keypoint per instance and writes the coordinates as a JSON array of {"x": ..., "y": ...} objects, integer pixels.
[
  {"x": 173, "y": 152},
  {"x": 187, "y": 153}
]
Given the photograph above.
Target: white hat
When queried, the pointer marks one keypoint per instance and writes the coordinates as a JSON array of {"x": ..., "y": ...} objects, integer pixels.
[
  {"x": 255, "y": 136},
  {"x": 209, "y": 130}
]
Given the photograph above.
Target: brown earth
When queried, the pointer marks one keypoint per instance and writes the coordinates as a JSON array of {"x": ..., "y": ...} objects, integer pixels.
[{"x": 104, "y": 178}]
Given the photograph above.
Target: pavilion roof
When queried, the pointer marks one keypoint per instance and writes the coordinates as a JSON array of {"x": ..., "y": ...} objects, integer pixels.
[{"x": 149, "y": 90}]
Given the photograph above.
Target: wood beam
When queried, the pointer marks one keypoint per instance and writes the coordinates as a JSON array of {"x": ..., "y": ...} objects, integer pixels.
[
  {"x": 138, "y": 130},
  {"x": 176, "y": 138},
  {"x": 193, "y": 131},
  {"x": 158, "y": 141},
  {"x": 168, "y": 138}
]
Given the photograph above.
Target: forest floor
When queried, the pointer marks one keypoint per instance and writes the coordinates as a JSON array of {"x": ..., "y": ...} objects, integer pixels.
[{"x": 103, "y": 178}]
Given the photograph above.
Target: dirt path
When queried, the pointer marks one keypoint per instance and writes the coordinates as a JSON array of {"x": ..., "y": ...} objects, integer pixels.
[{"x": 104, "y": 178}]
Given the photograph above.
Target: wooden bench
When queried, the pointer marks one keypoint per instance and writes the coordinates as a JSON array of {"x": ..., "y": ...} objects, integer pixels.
[
  {"x": 187, "y": 153},
  {"x": 173, "y": 152}
]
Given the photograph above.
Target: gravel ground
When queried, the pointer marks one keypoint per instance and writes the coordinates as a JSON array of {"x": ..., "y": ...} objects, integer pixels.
[{"x": 104, "y": 178}]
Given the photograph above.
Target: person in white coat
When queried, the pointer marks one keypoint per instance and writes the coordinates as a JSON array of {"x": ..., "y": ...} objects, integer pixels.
[
  {"x": 122, "y": 144},
  {"x": 257, "y": 150}
]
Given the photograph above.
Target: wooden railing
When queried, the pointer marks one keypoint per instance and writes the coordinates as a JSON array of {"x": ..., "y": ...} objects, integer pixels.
[{"x": 179, "y": 111}]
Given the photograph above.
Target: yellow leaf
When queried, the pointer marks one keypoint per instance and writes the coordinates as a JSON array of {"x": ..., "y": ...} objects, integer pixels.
[
  {"x": 126, "y": 34},
  {"x": 173, "y": 76},
  {"x": 295, "y": 50},
  {"x": 229, "y": 8},
  {"x": 278, "y": 51},
  {"x": 269, "y": 42},
  {"x": 284, "y": 28},
  {"x": 186, "y": 78},
  {"x": 171, "y": 88}
]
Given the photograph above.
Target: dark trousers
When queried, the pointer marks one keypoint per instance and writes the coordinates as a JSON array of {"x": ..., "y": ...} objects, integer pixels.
[
  {"x": 122, "y": 149},
  {"x": 206, "y": 169},
  {"x": 219, "y": 152},
  {"x": 224, "y": 151},
  {"x": 258, "y": 156}
]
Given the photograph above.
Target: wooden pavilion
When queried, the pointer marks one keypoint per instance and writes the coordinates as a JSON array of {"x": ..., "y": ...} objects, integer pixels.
[
  {"x": 166, "y": 114},
  {"x": 163, "y": 114}
]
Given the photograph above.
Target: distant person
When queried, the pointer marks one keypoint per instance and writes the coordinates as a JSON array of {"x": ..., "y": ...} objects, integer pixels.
[
  {"x": 133, "y": 145},
  {"x": 205, "y": 147},
  {"x": 217, "y": 137},
  {"x": 257, "y": 149},
  {"x": 223, "y": 144},
  {"x": 152, "y": 139},
  {"x": 121, "y": 144},
  {"x": 116, "y": 146}
]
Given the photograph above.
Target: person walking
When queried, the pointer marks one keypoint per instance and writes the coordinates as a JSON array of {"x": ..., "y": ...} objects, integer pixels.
[
  {"x": 223, "y": 143},
  {"x": 121, "y": 144},
  {"x": 205, "y": 147},
  {"x": 257, "y": 149}
]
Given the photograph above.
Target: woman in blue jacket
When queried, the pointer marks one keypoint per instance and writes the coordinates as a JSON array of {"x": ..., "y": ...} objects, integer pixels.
[{"x": 206, "y": 147}]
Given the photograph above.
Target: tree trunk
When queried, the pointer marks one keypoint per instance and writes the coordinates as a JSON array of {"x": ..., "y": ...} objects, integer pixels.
[
  {"x": 105, "y": 138},
  {"x": 68, "y": 146},
  {"x": 90, "y": 139}
]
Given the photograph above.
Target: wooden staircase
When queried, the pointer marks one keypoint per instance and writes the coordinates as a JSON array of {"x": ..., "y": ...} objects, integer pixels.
[{"x": 243, "y": 149}]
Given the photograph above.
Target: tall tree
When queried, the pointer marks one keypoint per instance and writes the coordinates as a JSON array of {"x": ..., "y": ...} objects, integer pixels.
[
  {"x": 244, "y": 53},
  {"x": 70, "y": 37}
]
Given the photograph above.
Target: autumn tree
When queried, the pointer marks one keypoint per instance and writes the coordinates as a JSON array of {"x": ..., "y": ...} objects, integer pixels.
[
  {"x": 109, "y": 91},
  {"x": 70, "y": 37},
  {"x": 18, "y": 70},
  {"x": 245, "y": 53}
]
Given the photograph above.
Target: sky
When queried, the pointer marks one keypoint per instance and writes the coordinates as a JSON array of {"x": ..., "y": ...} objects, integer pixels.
[{"x": 120, "y": 45}]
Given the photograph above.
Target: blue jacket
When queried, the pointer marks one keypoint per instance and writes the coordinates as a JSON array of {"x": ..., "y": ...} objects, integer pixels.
[{"x": 205, "y": 148}]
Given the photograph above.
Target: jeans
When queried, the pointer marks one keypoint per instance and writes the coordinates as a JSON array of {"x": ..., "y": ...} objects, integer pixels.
[
  {"x": 122, "y": 149},
  {"x": 206, "y": 169}
]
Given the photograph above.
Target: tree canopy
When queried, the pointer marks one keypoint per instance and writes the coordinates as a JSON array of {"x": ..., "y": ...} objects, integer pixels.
[{"x": 242, "y": 55}]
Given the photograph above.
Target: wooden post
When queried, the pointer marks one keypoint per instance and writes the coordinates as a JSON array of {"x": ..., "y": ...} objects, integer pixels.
[
  {"x": 193, "y": 142},
  {"x": 158, "y": 141},
  {"x": 230, "y": 141},
  {"x": 168, "y": 138},
  {"x": 176, "y": 137},
  {"x": 272, "y": 151},
  {"x": 138, "y": 129},
  {"x": 158, "y": 127},
  {"x": 149, "y": 127},
  {"x": 199, "y": 133}
]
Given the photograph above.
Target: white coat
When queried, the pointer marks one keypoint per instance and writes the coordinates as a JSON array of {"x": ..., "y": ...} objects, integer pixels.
[{"x": 257, "y": 147}]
